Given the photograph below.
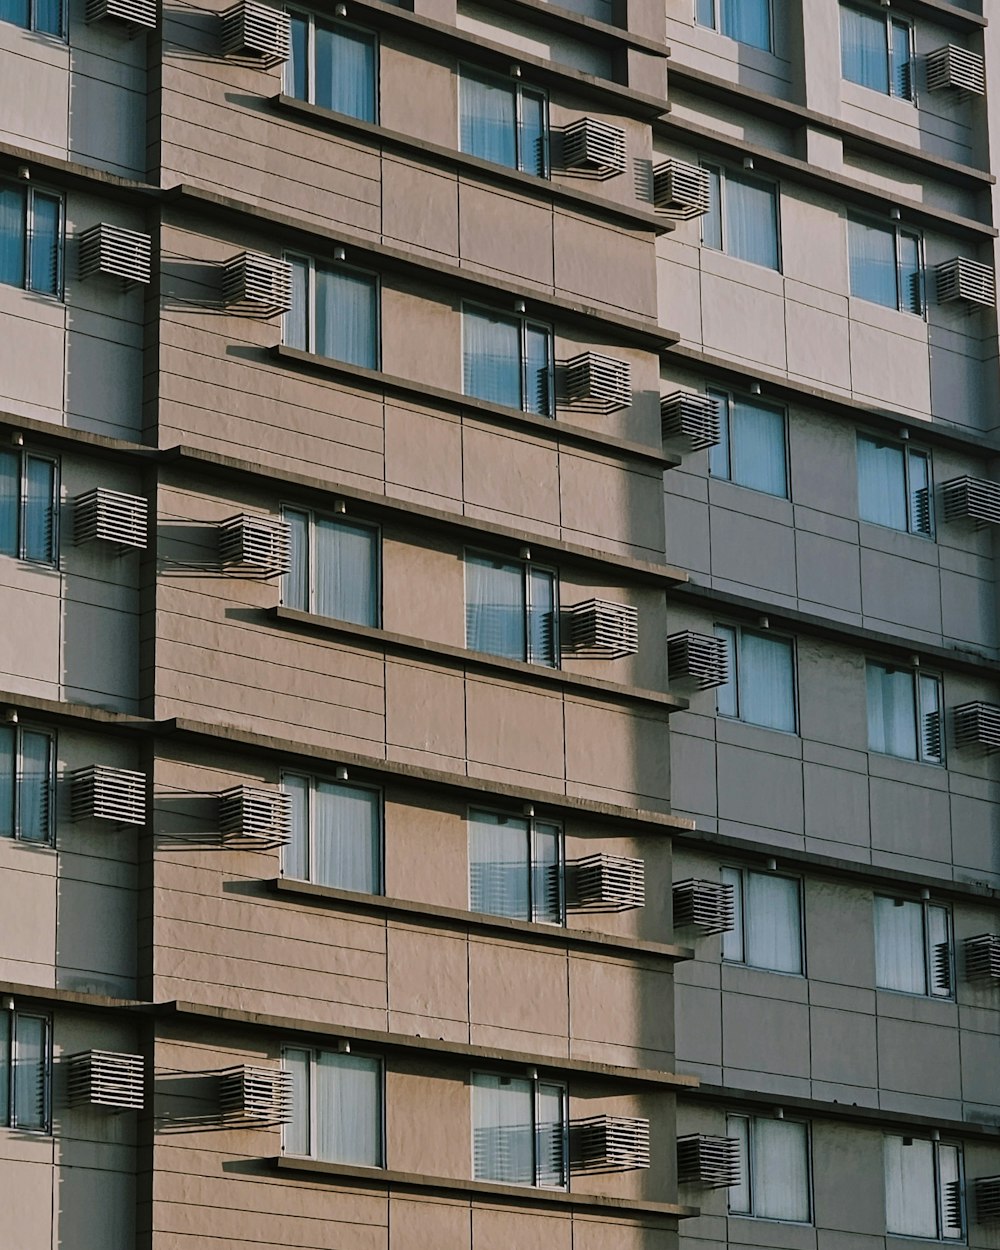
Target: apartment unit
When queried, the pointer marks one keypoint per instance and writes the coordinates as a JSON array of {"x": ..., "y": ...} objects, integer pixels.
[{"x": 499, "y": 673}]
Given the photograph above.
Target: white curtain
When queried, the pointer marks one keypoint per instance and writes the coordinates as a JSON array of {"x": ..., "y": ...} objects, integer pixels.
[
  {"x": 910, "y": 1199},
  {"x": 767, "y": 682},
  {"x": 780, "y": 1170},
  {"x": 297, "y": 1133},
  {"x": 881, "y": 483},
  {"x": 346, "y": 317},
  {"x": 543, "y": 621},
  {"x": 39, "y": 510},
  {"x": 758, "y": 448},
  {"x": 295, "y": 584},
  {"x": 872, "y": 257},
  {"x": 863, "y": 48},
  {"x": 494, "y": 607},
  {"x": 46, "y": 211},
  {"x": 773, "y": 925},
  {"x": 295, "y": 855},
  {"x": 498, "y": 865},
  {"x": 345, "y": 72},
  {"x": 751, "y": 221},
  {"x": 491, "y": 358},
  {"x": 891, "y": 721},
  {"x": 34, "y": 786},
  {"x": 503, "y": 1129},
  {"x": 346, "y": 837},
  {"x": 348, "y": 1095},
  {"x": 29, "y": 1071},
  {"x": 296, "y": 331},
  {"x": 12, "y": 217},
  {"x": 748, "y": 21},
  {"x": 488, "y": 120},
  {"x": 546, "y": 873},
  {"x": 10, "y": 480},
  {"x": 900, "y": 962},
  {"x": 346, "y": 564}
]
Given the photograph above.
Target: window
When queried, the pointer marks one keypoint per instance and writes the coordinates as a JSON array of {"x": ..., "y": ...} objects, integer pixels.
[
  {"x": 895, "y": 486},
  {"x": 511, "y": 609},
  {"x": 905, "y": 713},
  {"x": 746, "y": 21},
  {"x": 43, "y": 16},
  {"x": 336, "y": 1107},
  {"x": 516, "y": 867},
  {"x": 30, "y": 237},
  {"x": 26, "y": 763},
  {"x": 751, "y": 451},
  {"x": 507, "y": 360},
  {"x": 742, "y": 219},
  {"x": 25, "y": 1063},
  {"x": 913, "y": 947},
  {"x": 768, "y": 929},
  {"x": 774, "y": 1169},
  {"x": 336, "y": 834},
  {"x": 876, "y": 51},
  {"x": 761, "y": 686},
  {"x": 28, "y": 507},
  {"x": 519, "y": 1131},
  {"x": 504, "y": 122},
  {"x": 333, "y": 65},
  {"x": 334, "y": 568},
  {"x": 923, "y": 1189},
  {"x": 334, "y": 312},
  {"x": 886, "y": 264}
]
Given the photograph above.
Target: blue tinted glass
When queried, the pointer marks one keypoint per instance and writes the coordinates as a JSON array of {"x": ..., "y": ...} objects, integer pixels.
[
  {"x": 901, "y": 70},
  {"x": 491, "y": 358},
  {"x": 881, "y": 483},
  {"x": 46, "y": 211},
  {"x": 16, "y": 11},
  {"x": 758, "y": 448},
  {"x": 39, "y": 511},
  {"x": 10, "y": 490},
  {"x": 863, "y": 52},
  {"x": 49, "y": 17},
  {"x": 872, "y": 254},
  {"x": 488, "y": 120},
  {"x": 297, "y": 66},
  {"x": 12, "y": 223},
  {"x": 345, "y": 72},
  {"x": 911, "y": 278},
  {"x": 704, "y": 13},
  {"x": 751, "y": 221},
  {"x": 346, "y": 317},
  {"x": 534, "y": 156},
  {"x": 537, "y": 371},
  {"x": 711, "y": 223},
  {"x": 748, "y": 21}
]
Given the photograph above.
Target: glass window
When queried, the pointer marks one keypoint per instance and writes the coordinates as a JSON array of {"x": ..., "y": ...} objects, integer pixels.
[
  {"x": 26, "y": 783},
  {"x": 913, "y": 947},
  {"x": 43, "y": 16},
  {"x": 511, "y": 609},
  {"x": 30, "y": 237},
  {"x": 923, "y": 1189},
  {"x": 336, "y": 834},
  {"x": 905, "y": 713},
  {"x": 774, "y": 1169},
  {"x": 507, "y": 360},
  {"x": 876, "y": 51},
  {"x": 895, "y": 486},
  {"x": 768, "y": 929},
  {"x": 334, "y": 568},
  {"x": 886, "y": 265},
  {"x": 761, "y": 686},
  {"x": 516, "y": 867},
  {"x": 751, "y": 450},
  {"x": 333, "y": 65},
  {"x": 28, "y": 507},
  {"x": 335, "y": 312},
  {"x": 503, "y": 122},
  {"x": 25, "y": 1065},
  {"x": 742, "y": 220},
  {"x": 519, "y": 1131},
  {"x": 336, "y": 1107},
  {"x": 746, "y": 21}
]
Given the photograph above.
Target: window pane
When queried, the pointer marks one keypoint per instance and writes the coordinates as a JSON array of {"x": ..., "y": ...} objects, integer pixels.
[
  {"x": 921, "y": 518},
  {"x": 39, "y": 511},
  {"x": 297, "y": 318},
  {"x": 758, "y": 448},
  {"x": 8, "y": 746},
  {"x": 773, "y": 924},
  {"x": 767, "y": 682},
  {"x": 10, "y": 490},
  {"x": 346, "y": 317},
  {"x": 732, "y": 942},
  {"x": 899, "y": 946},
  {"x": 491, "y": 358},
  {"x": 12, "y": 219},
  {"x": 939, "y": 942},
  {"x": 751, "y": 231},
  {"x": 534, "y": 146},
  {"x": 346, "y": 571},
  {"x": 502, "y": 1129},
  {"x": 537, "y": 371},
  {"x": 296, "y": 1133},
  {"x": 780, "y": 1170},
  {"x": 911, "y": 278},
  {"x": 348, "y": 1109},
  {"x": 719, "y": 463},
  {"x": 345, "y": 72},
  {"x": 29, "y": 1071},
  {"x": 295, "y": 584},
  {"x": 551, "y": 1137},
  {"x": 543, "y": 622},
  {"x": 738, "y": 1126},
  {"x": 15, "y": 11},
  {"x": 931, "y": 720},
  {"x": 711, "y": 222},
  {"x": 909, "y": 1187},
  {"x": 498, "y": 865},
  {"x": 900, "y": 67},
  {"x": 488, "y": 120},
  {"x": 49, "y": 17},
  {"x": 44, "y": 252},
  {"x": 34, "y": 787},
  {"x": 5, "y": 1058},
  {"x": 726, "y": 703},
  {"x": 891, "y": 722},
  {"x": 881, "y": 483},
  {"x": 297, "y": 65},
  {"x": 872, "y": 255},
  {"x": 862, "y": 49},
  {"x": 494, "y": 607},
  {"x": 950, "y": 1179},
  {"x": 704, "y": 13},
  {"x": 748, "y": 21},
  {"x": 346, "y": 838},
  {"x": 547, "y": 874},
  {"x": 295, "y": 855}
]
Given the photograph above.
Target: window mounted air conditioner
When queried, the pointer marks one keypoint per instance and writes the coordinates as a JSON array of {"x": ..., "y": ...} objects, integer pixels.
[
  {"x": 700, "y": 659},
  {"x": 971, "y": 499},
  {"x": 254, "y": 817},
  {"x": 704, "y": 905},
  {"x": 597, "y": 383},
  {"x": 132, "y": 12},
  {"x": 116, "y": 253},
  {"x": 982, "y": 957},
  {"x": 117, "y": 795},
  {"x": 256, "y": 1096},
  {"x": 254, "y": 546},
  {"x": 608, "y": 1143},
  {"x": 105, "y": 1078},
  {"x": 977, "y": 725},
  {"x": 961, "y": 280},
  {"x": 713, "y": 1162},
  {"x": 251, "y": 29},
  {"x": 956, "y": 68},
  {"x": 681, "y": 190},
  {"x": 110, "y": 516},
  {"x": 257, "y": 285},
  {"x": 602, "y": 630},
  {"x": 694, "y": 419},
  {"x": 604, "y": 882},
  {"x": 594, "y": 147}
]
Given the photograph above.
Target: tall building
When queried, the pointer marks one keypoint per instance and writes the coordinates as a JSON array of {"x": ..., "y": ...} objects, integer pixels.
[{"x": 499, "y": 641}]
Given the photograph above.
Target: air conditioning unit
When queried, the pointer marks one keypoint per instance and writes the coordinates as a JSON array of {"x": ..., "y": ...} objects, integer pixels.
[
  {"x": 982, "y": 957},
  {"x": 603, "y": 629},
  {"x": 971, "y": 499},
  {"x": 133, "y": 12},
  {"x": 114, "y": 794},
  {"x": 977, "y": 725},
  {"x": 253, "y": 1095},
  {"x": 710, "y": 1161},
  {"x": 966, "y": 281},
  {"x": 110, "y": 516},
  {"x": 696, "y": 419},
  {"x": 681, "y": 190},
  {"x": 987, "y": 1192},
  {"x": 608, "y": 1143},
  {"x": 957, "y": 68},
  {"x": 251, "y": 29},
  {"x": 116, "y": 253},
  {"x": 105, "y": 1078},
  {"x": 255, "y": 817},
  {"x": 701, "y": 659},
  {"x": 604, "y": 882},
  {"x": 704, "y": 905},
  {"x": 594, "y": 147},
  {"x": 254, "y": 546},
  {"x": 598, "y": 383},
  {"x": 257, "y": 285}
]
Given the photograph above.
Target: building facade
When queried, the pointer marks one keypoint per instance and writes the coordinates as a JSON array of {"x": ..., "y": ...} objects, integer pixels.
[{"x": 499, "y": 668}]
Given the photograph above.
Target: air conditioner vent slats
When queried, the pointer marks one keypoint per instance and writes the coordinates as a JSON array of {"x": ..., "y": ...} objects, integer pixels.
[
  {"x": 701, "y": 659},
  {"x": 608, "y": 1143},
  {"x": 111, "y": 516},
  {"x": 604, "y": 882},
  {"x": 255, "y": 1095},
  {"x": 987, "y": 1191},
  {"x": 704, "y": 905},
  {"x": 251, "y": 29},
  {"x": 958, "y": 68},
  {"x": 977, "y": 725},
  {"x": 681, "y": 190},
  {"x": 972, "y": 499},
  {"x": 982, "y": 957},
  {"x": 116, "y": 252},
  {"x": 594, "y": 147},
  {"x": 255, "y": 817},
  {"x": 134, "y": 12},
  {"x": 258, "y": 285},
  {"x": 602, "y": 629},
  {"x": 254, "y": 546},
  {"x": 598, "y": 383},
  {"x": 113, "y": 794},
  {"x": 710, "y": 1161},
  {"x": 105, "y": 1078},
  {"x": 697, "y": 419},
  {"x": 967, "y": 280}
]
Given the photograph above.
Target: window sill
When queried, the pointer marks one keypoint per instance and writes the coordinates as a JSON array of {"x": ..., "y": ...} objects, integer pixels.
[
  {"x": 449, "y": 917},
  {"x": 517, "y": 1195},
  {"x": 473, "y": 661}
]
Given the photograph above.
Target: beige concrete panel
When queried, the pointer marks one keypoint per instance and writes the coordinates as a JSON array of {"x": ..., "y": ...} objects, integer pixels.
[
  {"x": 117, "y": 144},
  {"x": 34, "y": 329},
  {"x": 818, "y": 344},
  {"x": 84, "y": 1191},
  {"x": 513, "y": 474},
  {"x": 894, "y": 588},
  {"x": 759, "y": 789},
  {"x": 616, "y": 751},
  {"x": 429, "y": 78},
  {"x": 743, "y": 316},
  {"x": 828, "y": 572},
  {"x": 604, "y": 503},
  {"x": 428, "y": 1224},
  {"x": 516, "y": 730},
  {"x": 832, "y": 706},
  {"x": 499, "y": 1228},
  {"x": 505, "y": 232},
  {"x": 419, "y": 206},
  {"x": 753, "y": 552},
  {"x": 427, "y": 850},
  {"x": 692, "y": 771},
  {"x": 27, "y": 1193},
  {"x": 421, "y": 338},
  {"x": 908, "y": 819},
  {"x": 36, "y": 90},
  {"x": 968, "y": 609},
  {"x": 765, "y": 1035},
  {"x": 28, "y": 888},
  {"x": 100, "y": 655},
  {"x": 889, "y": 363},
  {"x": 836, "y": 805},
  {"x": 919, "y": 1058},
  {"x": 974, "y": 825},
  {"x": 428, "y": 979},
  {"x": 96, "y": 949},
  {"x": 103, "y": 385},
  {"x": 601, "y": 264},
  {"x": 30, "y": 659},
  {"x": 843, "y": 1047},
  {"x": 518, "y": 989},
  {"x": 428, "y": 1120},
  {"x": 425, "y": 711},
  {"x": 412, "y": 563},
  {"x": 621, "y": 1004},
  {"x": 423, "y": 454}
]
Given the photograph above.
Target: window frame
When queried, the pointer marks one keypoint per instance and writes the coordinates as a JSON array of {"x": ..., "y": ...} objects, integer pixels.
[
  {"x": 312, "y": 779},
  {"x": 31, "y": 193},
  {"x": 741, "y": 916},
  {"x": 314, "y": 514},
  {"x": 962, "y": 1237},
  {"x": 738, "y": 631},
  {"x": 919, "y": 677},
  {"x": 10, "y": 1076},
  {"x": 899, "y": 232},
  {"x": 18, "y": 731},
  {"x": 930, "y": 534},
  {"x": 527, "y": 567},
  {"x": 716, "y": 26},
  {"x": 337, "y": 266},
  {"x": 333, "y": 23},
  {"x": 32, "y": 26},
  {"x": 313, "y": 1052},
  {"x": 466, "y": 69},
  {"x": 523, "y": 322},
  {"x": 728, "y": 400},
  {"x": 723, "y": 174},
  {"x": 891, "y": 20},
  {"x": 536, "y": 1084},
  {"x": 926, "y": 906},
  {"x": 752, "y": 1214},
  {"x": 472, "y": 811},
  {"x": 23, "y": 458}
]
